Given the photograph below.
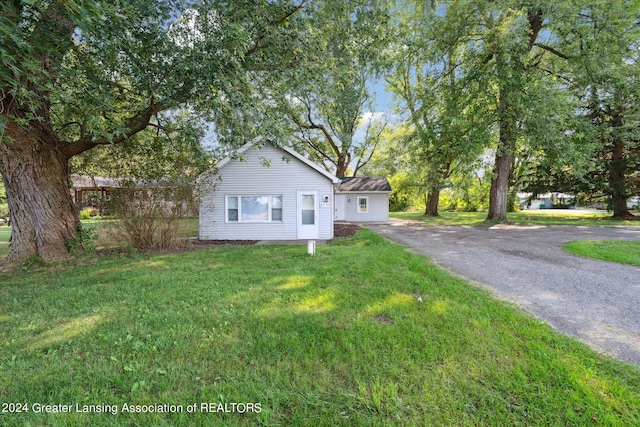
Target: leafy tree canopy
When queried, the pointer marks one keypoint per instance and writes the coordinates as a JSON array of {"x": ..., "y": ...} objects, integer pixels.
[{"x": 76, "y": 75}]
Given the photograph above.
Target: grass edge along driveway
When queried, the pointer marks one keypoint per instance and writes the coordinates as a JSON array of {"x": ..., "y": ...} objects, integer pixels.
[
  {"x": 525, "y": 217},
  {"x": 620, "y": 251},
  {"x": 363, "y": 333}
]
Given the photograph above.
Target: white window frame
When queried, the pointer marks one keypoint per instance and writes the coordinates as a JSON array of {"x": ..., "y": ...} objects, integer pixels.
[
  {"x": 240, "y": 220},
  {"x": 366, "y": 199}
]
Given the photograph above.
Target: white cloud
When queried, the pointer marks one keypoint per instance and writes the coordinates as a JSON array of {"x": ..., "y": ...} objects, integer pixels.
[
  {"x": 373, "y": 117},
  {"x": 367, "y": 119}
]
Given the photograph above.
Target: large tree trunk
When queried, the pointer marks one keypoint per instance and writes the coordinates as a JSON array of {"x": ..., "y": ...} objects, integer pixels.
[
  {"x": 341, "y": 169},
  {"x": 436, "y": 181},
  {"x": 618, "y": 166},
  {"x": 507, "y": 106},
  {"x": 344, "y": 158},
  {"x": 505, "y": 156},
  {"x": 498, "y": 194},
  {"x": 617, "y": 183},
  {"x": 433, "y": 198},
  {"x": 36, "y": 178}
]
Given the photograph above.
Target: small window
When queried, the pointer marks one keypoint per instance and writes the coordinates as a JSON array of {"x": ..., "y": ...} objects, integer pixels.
[
  {"x": 276, "y": 208},
  {"x": 232, "y": 209},
  {"x": 363, "y": 205}
]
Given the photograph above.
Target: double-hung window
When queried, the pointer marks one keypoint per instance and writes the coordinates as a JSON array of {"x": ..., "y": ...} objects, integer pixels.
[
  {"x": 254, "y": 208},
  {"x": 363, "y": 205}
]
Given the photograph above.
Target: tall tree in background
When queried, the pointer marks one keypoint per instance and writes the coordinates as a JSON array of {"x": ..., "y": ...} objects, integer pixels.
[
  {"x": 606, "y": 38},
  {"x": 511, "y": 44},
  {"x": 511, "y": 33},
  {"x": 78, "y": 75},
  {"x": 446, "y": 107},
  {"x": 328, "y": 101},
  {"x": 602, "y": 73}
]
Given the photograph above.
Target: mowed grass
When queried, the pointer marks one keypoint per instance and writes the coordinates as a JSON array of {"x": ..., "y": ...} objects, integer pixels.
[
  {"x": 621, "y": 251},
  {"x": 531, "y": 217},
  {"x": 363, "y": 333},
  {"x": 5, "y": 234}
]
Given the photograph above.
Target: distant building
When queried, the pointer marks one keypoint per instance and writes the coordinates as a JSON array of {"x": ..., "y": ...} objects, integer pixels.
[{"x": 547, "y": 201}]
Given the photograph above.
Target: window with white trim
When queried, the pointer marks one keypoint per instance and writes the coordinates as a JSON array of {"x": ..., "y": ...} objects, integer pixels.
[
  {"x": 253, "y": 208},
  {"x": 363, "y": 205}
]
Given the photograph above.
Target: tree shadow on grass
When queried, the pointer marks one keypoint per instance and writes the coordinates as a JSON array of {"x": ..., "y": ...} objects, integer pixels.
[{"x": 366, "y": 333}]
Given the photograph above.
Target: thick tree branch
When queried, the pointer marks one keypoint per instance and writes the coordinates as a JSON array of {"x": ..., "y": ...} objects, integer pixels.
[
  {"x": 79, "y": 124},
  {"x": 321, "y": 128},
  {"x": 133, "y": 125},
  {"x": 535, "y": 25}
]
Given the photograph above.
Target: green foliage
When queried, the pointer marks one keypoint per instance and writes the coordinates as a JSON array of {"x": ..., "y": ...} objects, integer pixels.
[
  {"x": 85, "y": 240},
  {"x": 466, "y": 192},
  {"x": 326, "y": 99},
  {"x": 150, "y": 155},
  {"x": 88, "y": 213},
  {"x": 519, "y": 78},
  {"x": 394, "y": 161},
  {"x": 109, "y": 62},
  {"x": 605, "y": 78},
  {"x": 447, "y": 122},
  {"x": 334, "y": 339}
]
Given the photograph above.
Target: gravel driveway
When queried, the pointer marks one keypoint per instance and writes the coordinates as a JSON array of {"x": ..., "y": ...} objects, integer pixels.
[{"x": 595, "y": 301}]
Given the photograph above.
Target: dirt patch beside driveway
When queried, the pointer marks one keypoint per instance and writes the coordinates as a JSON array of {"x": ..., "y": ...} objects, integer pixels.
[{"x": 597, "y": 302}]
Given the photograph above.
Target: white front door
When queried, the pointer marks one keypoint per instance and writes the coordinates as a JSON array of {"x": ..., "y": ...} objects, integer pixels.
[
  {"x": 308, "y": 224},
  {"x": 341, "y": 207}
]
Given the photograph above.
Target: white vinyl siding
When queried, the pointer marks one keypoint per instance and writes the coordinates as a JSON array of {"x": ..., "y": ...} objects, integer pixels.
[
  {"x": 284, "y": 176},
  {"x": 377, "y": 206}
]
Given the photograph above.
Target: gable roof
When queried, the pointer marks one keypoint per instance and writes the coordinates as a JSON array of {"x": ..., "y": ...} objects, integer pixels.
[
  {"x": 258, "y": 141},
  {"x": 378, "y": 184},
  {"x": 86, "y": 181}
]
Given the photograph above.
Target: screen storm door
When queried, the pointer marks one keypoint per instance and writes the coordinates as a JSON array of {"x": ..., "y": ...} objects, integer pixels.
[{"x": 308, "y": 226}]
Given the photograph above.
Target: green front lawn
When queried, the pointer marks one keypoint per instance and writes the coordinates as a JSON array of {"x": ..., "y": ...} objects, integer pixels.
[
  {"x": 625, "y": 252},
  {"x": 532, "y": 217},
  {"x": 363, "y": 333}
]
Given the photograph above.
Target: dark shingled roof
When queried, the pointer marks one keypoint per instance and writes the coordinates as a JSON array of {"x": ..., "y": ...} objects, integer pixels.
[{"x": 376, "y": 183}]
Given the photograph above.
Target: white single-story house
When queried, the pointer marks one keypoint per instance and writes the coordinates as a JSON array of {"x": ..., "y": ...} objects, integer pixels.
[
  {"x": 265, "y": 192},
  {"x": 363, "y": 199}
]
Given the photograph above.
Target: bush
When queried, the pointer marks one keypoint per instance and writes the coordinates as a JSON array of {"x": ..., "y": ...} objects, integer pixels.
[
  {"x": 151, "y": 218},
  {"x": 87, "y": 213}
]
